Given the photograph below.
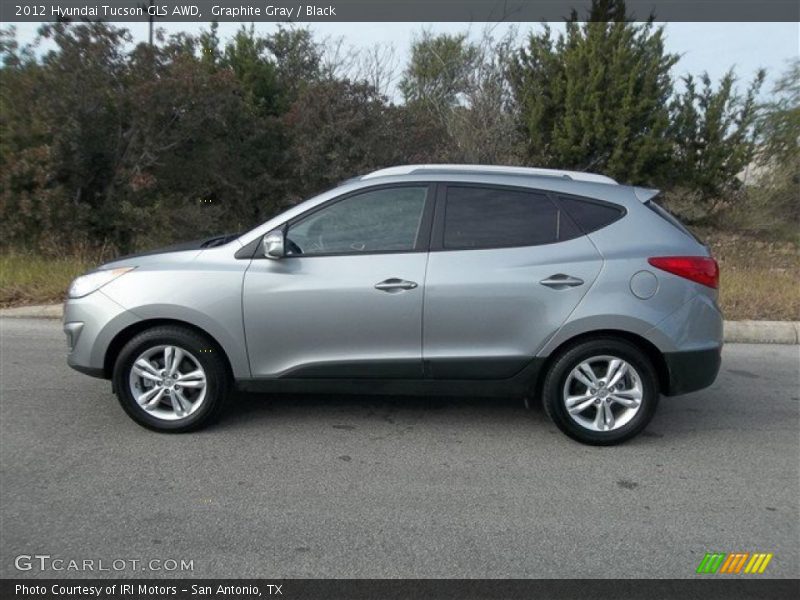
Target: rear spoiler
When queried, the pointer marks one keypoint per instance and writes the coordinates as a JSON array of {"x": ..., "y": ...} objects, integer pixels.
[{"x": 645, "y": 194}]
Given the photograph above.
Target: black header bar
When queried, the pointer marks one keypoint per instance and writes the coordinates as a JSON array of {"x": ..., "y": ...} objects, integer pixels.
[
  {"x": 304, "y": 11},
  {"x": 710, "y": 588}
]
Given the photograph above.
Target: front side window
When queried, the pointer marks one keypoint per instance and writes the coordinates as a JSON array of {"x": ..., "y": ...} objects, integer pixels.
[
  {"x": 478, "y": 217},
  {"x": 384, "y": 220}
]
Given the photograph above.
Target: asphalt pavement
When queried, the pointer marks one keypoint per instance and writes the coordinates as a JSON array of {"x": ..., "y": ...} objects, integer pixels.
[{"x": 337, "y": 486}]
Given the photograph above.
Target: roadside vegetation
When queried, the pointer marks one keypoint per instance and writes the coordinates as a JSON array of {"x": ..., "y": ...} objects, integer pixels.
[
  {"x": 113, "y": 147},
  {"x": 35, "y": 279},
  {"x": 759, "y": 279}
]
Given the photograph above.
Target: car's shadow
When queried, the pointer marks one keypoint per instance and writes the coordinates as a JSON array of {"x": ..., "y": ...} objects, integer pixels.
[
  {"x": 676, "y": 419},
  {"x": 246, "y": 407}
]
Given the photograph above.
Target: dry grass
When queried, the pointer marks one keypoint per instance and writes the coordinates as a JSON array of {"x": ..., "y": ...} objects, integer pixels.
[
  {"x": 759, "y": 279},
  {"x": 32, "y": 279}
]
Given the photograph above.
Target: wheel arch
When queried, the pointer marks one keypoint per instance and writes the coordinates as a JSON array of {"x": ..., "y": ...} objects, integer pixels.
[
  {"x": 128, "y": 333},
  {"x": 647, "y": 347}
]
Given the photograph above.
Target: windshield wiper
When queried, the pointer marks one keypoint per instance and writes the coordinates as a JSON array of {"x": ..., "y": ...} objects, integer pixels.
[{"x": 219, "y": 240}]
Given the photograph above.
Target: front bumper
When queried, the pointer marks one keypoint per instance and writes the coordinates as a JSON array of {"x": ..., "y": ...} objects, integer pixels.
[
  {"x": 90, "y": 324},
  {"x": 691, "y": 370}
]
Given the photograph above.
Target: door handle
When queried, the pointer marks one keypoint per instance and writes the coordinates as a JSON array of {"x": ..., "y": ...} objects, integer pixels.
[
  {"x": 561, "y": 281},
  {"x": 395, "y": 285}
]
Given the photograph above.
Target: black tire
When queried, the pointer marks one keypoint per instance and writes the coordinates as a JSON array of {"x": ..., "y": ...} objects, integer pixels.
[
  {"x": 570, "y": 358},
  {"x": 202, "y": 350}
]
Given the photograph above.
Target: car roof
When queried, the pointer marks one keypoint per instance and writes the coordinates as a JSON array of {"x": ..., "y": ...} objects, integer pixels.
[
  {"x": 589, "y": 185},
  {"x": 455, "y": 169}
]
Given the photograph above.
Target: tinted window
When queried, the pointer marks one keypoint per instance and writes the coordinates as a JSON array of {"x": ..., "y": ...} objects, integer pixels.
[
  {"x": 669, "y": 218},
  {"x": 376, "y": 221},
  {"x": 496, "y": 218},
  {"x": 590, "y": 216}
]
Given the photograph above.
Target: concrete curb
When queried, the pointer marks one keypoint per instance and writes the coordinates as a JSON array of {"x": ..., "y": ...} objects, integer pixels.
[
  {"x": 736, "y": 332},
  {"x": 39, "y": 311},
  {"x": 762, "y": 332}
]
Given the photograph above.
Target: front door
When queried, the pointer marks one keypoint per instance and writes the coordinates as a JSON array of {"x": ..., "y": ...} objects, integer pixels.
[{"x": 346, "y": 300}]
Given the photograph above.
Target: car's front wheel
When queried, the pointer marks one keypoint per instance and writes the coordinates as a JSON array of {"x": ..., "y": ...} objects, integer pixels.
[
  {"x": 171, "y": 379},
  {"x": 601, "y": 391}
]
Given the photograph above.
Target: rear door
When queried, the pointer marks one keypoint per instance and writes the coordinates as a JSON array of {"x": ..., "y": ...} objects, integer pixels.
[{"x": 506, "y": 269}]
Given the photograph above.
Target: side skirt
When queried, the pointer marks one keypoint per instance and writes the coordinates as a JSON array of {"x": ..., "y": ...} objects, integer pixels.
[{"x": 520, "y": 384}]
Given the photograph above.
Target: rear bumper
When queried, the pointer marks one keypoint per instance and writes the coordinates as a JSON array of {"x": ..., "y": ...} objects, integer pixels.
[{"x": 692, "y": 370}]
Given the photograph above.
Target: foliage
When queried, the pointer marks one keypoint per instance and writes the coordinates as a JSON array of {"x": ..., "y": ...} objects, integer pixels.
[
  {"x": 772, "y": 201},
  {"x": 462, "y": 87},
  {"x": 438, "y": 69},
  {"x": 338, "y": 128},
  {"x": 758, "y": 277},
  {"x": 713, "y": 134},
  {"x": 133, "y": 148},
  {"x": 780, "y": 122},
  {"x": 33, "y": 279},
  {"x": 107, "y": 143},
  {"x": 595, "y": 98}
]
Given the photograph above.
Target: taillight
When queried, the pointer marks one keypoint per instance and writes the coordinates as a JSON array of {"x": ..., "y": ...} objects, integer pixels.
[{"x": 700, "y": 269}]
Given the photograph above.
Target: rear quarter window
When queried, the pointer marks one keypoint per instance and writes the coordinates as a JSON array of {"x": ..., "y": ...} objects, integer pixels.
[
  {"x": 591, "y": 215},
  {"x": 669, "y": 218}
]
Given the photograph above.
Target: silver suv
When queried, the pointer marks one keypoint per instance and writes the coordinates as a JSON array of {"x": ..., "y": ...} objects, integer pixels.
[{"x": 434, "y": 279}]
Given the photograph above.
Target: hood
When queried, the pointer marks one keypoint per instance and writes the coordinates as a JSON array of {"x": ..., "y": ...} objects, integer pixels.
[{"x": 190, "y": 248}]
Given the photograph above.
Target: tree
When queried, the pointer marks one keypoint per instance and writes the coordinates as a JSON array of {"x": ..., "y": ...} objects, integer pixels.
[
  {"x": 338, "y": 129},
  {"x": 775, "y": 195},
  {"x": 780, "y": 121},
  {"x": 461, "y": 85},
  {"x": 134, "y": 147},
  {"x": 73, "y": 96},
  {"x": 247, "y": 56},
  {"x": 437, "y": 71},
  {"x": 103, "y": 142},
  {"x": 713, "y": 134},
  {"x": 30, "y": 200},
  {"x": 298, "y": 59},
  {"x": 483, "y": 128},
  {"x": 596, "y": 97}
]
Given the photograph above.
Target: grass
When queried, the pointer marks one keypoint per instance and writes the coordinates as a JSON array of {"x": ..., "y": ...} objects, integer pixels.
[
  {"x": 751, "y": 294},
  {"x": 32, "y": 279},
  {"x": 759, "y": 279}
]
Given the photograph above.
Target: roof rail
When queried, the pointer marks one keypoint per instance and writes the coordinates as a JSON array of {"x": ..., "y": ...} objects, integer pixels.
[{"x": 488, "y": 169}]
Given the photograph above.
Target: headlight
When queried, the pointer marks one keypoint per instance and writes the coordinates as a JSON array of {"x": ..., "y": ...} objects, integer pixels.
[{"x": 91, "y": 282}]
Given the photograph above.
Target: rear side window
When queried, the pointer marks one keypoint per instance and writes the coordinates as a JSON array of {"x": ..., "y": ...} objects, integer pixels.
[
  {"x": 590, "y": 215},
  {"x": 667, "y": 216},
  {"x": 478, "y": 217}
]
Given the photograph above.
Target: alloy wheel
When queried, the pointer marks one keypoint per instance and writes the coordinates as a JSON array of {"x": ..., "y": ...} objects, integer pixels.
[
  {"x": 168, "y": 382},
  {"x": 603, "y": 393}
]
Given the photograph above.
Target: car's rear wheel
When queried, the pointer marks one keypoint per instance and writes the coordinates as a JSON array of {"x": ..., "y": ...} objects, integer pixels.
[
  {"x": 171, "y": 379},
  {"x": 601, "y": 391}
]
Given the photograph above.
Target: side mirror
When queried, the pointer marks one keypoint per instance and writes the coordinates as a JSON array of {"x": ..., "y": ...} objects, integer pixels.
[{"x": 272, "y": 244}]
